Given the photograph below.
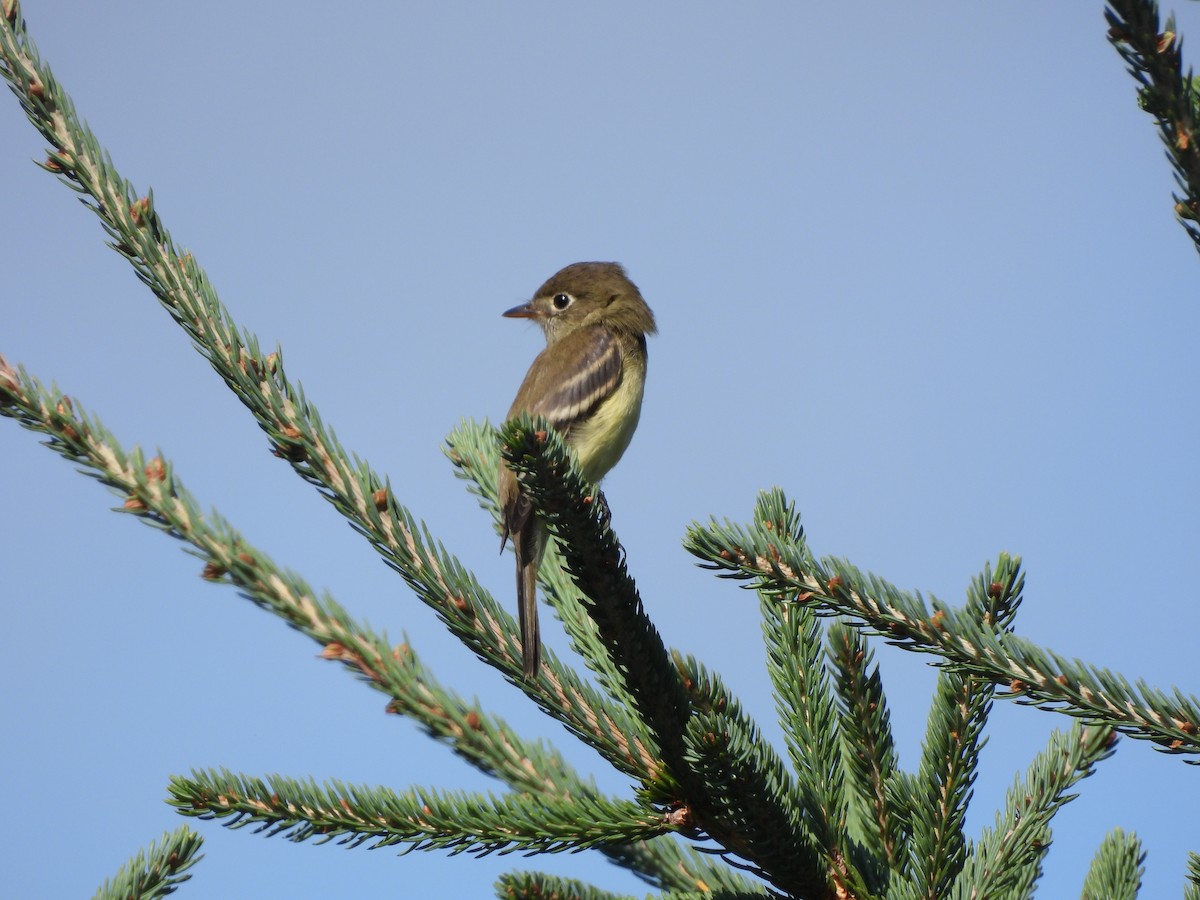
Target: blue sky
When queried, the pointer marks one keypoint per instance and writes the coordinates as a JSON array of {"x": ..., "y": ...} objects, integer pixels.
[{"x": 915, "y": 264}]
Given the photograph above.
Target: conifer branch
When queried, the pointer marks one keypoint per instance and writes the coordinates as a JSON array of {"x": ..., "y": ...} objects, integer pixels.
[
  {"x": 804, "y": 698},
  {"x": 473, "y": 448},
  {"x": 157, "y": 870},
  {"x": 1031, "y": 674},
  {"x": 578, "y": 517},
  {"x": 758, "y": 811},
  {"x": 680, "y": 868},
  {"x": 949, "y": 762},
  {"x": 422, "y": 819},
  {"x": 1116, "y": 871},
  {"x": 743, "y": 812},
  {"x": 697, "y": 747},
  {"x": 294, "y": 426},
  {"x": 1192, "y": 890},
  {"x": 543, "y": 886},
  {"x": 1007, "y": 860},
  {"x": 1154, "y": 57},
  {"x": 154, "y": 493},
  {"x": 942, "y": 788},
  {"x": 868, "y": 746}
]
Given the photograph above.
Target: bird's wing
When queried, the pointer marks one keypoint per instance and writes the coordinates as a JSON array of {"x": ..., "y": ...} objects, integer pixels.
[{"x": 595, "y": 353}]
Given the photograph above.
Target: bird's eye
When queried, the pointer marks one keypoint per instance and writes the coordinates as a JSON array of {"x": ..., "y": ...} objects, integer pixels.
[{"x": 562, "y": 301}]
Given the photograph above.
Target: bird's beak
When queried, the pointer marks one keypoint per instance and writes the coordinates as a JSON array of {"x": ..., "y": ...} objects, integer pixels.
[{"x": 524, "y": 311}]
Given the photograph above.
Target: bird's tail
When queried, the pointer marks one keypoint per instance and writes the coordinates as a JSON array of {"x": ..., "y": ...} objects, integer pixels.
[
  {"x": 531, "y": 641},
  {"x": 529, "y": 546}
]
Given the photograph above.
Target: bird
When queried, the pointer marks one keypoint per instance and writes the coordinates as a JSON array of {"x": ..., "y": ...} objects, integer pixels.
[{"x": 588, "y": 383}]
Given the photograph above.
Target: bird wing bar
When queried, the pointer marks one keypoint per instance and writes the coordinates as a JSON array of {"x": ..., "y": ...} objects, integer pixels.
[{"x": 595, "y": 374}]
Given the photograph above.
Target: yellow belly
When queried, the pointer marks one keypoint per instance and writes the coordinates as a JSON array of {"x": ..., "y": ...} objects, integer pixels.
[{"x": 601, "y": 441}]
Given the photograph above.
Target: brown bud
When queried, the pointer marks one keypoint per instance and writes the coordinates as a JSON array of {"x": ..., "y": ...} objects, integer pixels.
[
  {"x": 156, "y": 469},
  {"x": 139, "y": 211},
  {"x": 995, "y": 589},
  {"x": 8, "y": 389},
  {"x": 939, "y": 619},
  {"x": 833, "y": 583},
  {"x": 380, "y": 499},
  {"x": 212, "y": 571},
  {"x": 333, "y": 650},
  {"x": 10, "y": 9},
  {"x": 680, "y": 817},
  {"x": 293, "y": 449},
  {"x": 133, "y": 504},
  {"x": 474, "y": 722},
  {"x": 1165, "y": 41}
]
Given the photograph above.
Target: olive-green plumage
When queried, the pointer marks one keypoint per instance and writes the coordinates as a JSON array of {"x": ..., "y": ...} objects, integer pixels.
[{"x": 588, "y": 383}]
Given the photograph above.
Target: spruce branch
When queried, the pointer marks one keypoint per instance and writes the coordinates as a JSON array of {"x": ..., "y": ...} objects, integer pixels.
[
  {"x": 1031, "y": 674},
  {"x": 756, "y": 810},
  {"x": 473, "y": 448},
  {"x": 543, "y": 886},
  {"x": 698, "y": 748},
  {"x": 578, "y": 518},
  {"x": 294, "y": 426},
  {"x": 674, "y": 866},
  {"x": 1116, "y": 871},
  {"x": 153, "y": 492},
  {"x": 1007, "y": 860},
  {"x": 868, "y": 745},
  {"x": 718, "y": 756},
  {"x": 157, "y": 870},
  {"x": 804, "y": 698},
  {"x": 1191, "y": 890},
  {"x": 420, "y": 819},
  {"x": 942, "y": 787},
  {"x": 1153, "y": 55}
]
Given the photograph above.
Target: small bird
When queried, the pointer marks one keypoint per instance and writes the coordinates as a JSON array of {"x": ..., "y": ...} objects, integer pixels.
[{"x": 588, "y": 383}]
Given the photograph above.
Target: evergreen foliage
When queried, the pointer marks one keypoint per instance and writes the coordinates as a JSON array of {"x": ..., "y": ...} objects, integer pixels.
[
  {"x": 157, "y": 870},
  {"x": 836, "y": 818}
]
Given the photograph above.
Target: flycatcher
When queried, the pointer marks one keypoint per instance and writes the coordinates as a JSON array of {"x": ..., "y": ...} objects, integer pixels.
[{"x": 588, "y": 383}]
